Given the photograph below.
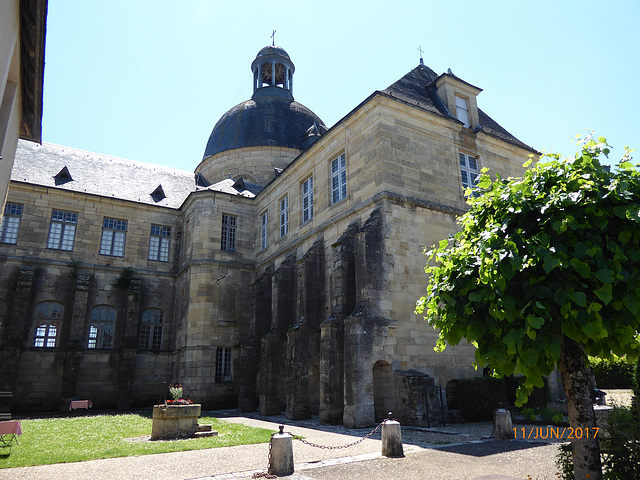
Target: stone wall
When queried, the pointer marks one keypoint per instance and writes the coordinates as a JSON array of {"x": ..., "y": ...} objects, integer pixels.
[
  {"x": 255, "y": 164},
  {"x": 404, "y": 190},
  {"x": 44, "y": 379},
  {"x": 318, "y": 322}
]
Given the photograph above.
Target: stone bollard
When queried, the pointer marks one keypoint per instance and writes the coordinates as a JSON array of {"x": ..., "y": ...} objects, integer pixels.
[
  {"x": 502, "y": 427},
  {"x": 392, "y": 439},
  {"x": 281, "y": 462}
]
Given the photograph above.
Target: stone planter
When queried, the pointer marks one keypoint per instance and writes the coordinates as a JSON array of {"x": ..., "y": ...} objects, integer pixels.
[{"x": 174, "y": 421}]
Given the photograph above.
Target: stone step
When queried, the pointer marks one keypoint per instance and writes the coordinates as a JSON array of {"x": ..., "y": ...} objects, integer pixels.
[
  {"x": 203, "y": 428},
  {"x": 209, "y": 433}
]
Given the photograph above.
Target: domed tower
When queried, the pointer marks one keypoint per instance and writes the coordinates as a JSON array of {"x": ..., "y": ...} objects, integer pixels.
[{"x": 264, "y": 133}]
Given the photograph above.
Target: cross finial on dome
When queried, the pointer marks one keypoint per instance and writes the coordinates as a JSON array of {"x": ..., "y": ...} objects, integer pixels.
[{"x": 273, "y": 38}]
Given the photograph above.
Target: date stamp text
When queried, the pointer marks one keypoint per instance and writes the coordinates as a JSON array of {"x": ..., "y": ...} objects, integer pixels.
[{"x": 560, "y": 433}]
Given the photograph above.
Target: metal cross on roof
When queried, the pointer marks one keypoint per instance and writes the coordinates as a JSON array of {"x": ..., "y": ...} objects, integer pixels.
[
  {"x": 420, "y": 50},
  {"x": 273, "y": 38}
]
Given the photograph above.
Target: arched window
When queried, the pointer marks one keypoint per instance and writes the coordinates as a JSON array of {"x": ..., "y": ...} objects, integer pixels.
[
  {"x": 151, "y": 330},
  {"x": 48, "y": 324},
  {"x": 103, "y": 326}
]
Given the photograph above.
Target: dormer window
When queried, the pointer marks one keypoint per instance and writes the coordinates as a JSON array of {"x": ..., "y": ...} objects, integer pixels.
[
  {"x": 63, "y": 177},
  {"x": 462, "y": 110},
  {"x": 459, "y": 98},
  {"x": 158, "y": 194}
]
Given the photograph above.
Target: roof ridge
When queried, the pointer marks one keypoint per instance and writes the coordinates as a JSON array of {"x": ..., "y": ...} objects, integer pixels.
[{"x": 25, "y": 144}]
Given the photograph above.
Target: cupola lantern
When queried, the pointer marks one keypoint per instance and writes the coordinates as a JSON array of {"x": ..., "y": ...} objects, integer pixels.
[{"x": 273, "y": 68}]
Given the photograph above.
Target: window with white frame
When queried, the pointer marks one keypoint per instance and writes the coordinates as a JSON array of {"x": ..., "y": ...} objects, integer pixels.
[
  {"x": 228, "y": 237},
  {"x": 284, "y": 216},
  {"x": 223, "y": 364},
  {"x": 462, "y": 110},
  {"x": 338, "y": 178},
  {"x": 10, "y": 223},
  {"x": 307, "y": 199},
  {"x": 151, "y": 329},
  {"x": 48, "y": 324},
  {"x": 103, "y": 326},
  {"x": 264, "y": 220},
  {"x": 62, "y": 231},
  {"x": 469, "y": 171},
  {"x": 114, "y": 234},
  {"x": 159, "y": 243}
]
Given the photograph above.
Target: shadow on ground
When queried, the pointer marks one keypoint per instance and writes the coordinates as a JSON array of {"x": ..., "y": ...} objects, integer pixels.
[{"x": 490, "y": 447}]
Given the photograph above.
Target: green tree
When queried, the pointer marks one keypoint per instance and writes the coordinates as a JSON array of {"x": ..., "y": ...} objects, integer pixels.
[{"x": 545, "y": 271}]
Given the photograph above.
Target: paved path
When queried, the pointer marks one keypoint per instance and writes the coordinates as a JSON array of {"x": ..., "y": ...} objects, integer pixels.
[{"x": 460, "y": 453}]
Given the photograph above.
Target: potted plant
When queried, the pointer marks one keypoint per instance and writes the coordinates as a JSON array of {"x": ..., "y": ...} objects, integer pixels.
[{"x": 176, "y": 418}]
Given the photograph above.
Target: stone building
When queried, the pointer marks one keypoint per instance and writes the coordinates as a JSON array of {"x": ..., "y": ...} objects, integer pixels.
[
  {"x": 22, "y": 36},
  {"x": 281, "y": 275}
]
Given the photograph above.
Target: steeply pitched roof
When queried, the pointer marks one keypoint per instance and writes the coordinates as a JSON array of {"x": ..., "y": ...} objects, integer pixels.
[
  {"x": 418, "y": 88},
  {"x": 102, "y": 175},
  {"x": 412, "y": 88}
]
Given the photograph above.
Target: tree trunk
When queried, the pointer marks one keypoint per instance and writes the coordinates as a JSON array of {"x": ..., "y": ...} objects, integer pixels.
[{"x": 575, "y": 378}]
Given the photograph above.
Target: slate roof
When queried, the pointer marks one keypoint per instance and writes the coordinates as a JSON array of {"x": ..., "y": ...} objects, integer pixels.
[
  {"x": 270, "y": 118},
  {"x": 236, "y": 187},
  {"x": 102, "y": 175},
  {"x": 418, "y": 88}
]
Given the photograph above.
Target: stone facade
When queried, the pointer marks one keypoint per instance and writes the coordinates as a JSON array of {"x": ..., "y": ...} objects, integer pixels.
[
  {"x": 266, "y": 304},
  {"x": 22, "y": 38}
]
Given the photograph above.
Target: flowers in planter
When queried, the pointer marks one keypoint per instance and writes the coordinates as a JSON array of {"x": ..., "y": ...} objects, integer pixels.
[{"x": 176, "y": 394}]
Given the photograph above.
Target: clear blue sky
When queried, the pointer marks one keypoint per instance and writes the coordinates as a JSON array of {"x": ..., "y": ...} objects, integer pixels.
[{"x": 147, "y": 80}]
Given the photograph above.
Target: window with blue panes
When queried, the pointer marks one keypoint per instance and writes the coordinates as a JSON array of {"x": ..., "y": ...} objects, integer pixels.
[
  {"x": 62, "y": 231},
  {"x": 338, "y": 178},
  {"x": 114, "y": 234},
  {"x": 10, "y": 223}
]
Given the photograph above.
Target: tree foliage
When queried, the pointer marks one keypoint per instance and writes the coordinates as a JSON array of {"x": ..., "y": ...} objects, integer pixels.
[{"x": 552, "y": 255}]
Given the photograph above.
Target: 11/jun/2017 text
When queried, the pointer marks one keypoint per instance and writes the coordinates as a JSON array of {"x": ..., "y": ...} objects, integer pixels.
[{"x": 549, "y": 433}]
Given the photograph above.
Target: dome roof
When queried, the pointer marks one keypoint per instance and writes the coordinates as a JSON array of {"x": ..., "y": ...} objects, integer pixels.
[
  {"x": 273, "y": 50},
  {"x": 270, "y": 118}
]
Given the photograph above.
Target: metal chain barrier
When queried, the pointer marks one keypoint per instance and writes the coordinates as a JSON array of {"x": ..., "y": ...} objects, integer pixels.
[
  {"x": 311, "y": 444},
  {"x": 336, "y": 447},
  {"x": 266, "y": 474}
]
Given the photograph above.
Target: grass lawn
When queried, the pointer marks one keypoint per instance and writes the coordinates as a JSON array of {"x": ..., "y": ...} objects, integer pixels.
[{"x": 75, "y": 439}]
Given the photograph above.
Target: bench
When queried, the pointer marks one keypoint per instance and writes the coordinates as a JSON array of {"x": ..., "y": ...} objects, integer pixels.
[
  {"x": 9, "y": 432},
  {"x": 76, "y": 404}
]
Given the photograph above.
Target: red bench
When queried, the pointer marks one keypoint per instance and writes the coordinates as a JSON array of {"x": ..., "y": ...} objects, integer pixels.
[
  {"x": 9, "y": 432},
  {"x": 75, "y": 404}
]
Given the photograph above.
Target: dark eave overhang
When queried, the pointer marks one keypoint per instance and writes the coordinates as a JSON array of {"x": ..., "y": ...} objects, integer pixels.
[{"x": 33, "y": 27}]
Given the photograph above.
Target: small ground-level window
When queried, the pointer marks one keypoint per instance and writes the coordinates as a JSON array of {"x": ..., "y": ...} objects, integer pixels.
[
  {"x": 103, "y": 326},
  {"x": 151, "y": 329},
  {"x": 223, "y": 364},
  {"x": 48, "y": 324}
]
